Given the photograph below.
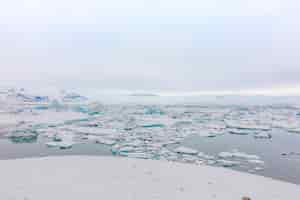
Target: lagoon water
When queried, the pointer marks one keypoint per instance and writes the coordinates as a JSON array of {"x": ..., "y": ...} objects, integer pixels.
[
  {"x": 153, "y": 127},
  {"x": 277, "y": 166}
]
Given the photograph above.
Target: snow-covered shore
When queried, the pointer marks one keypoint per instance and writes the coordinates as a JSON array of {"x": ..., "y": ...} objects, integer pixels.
[{"x": 94, "y": 178}]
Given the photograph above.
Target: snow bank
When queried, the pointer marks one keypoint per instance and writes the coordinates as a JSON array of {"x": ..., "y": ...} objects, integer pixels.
[{"x": 93, "y": 178}]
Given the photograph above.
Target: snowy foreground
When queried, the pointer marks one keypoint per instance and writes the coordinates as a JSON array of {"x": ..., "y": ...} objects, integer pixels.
[{"x": 91, "y": 178}]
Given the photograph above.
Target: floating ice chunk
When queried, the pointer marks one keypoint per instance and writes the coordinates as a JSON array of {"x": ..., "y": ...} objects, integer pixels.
[
  {"x": 71, "y": 97},
  {"x": 228, "y": 163},
  {"x": 105, "y": 141},
  {"x": 205, "y": 156},
  {"x": 93, "y": 130},
  {"x": 258, "y": 168},
  {"x": 284, "y": 124},
  {"x": 215, "y": 126},
  {"x": 57, "y": 138},
  {"x": 52, "y": 144},
  {"x": 63, "y": 136},
  {"x": 127, "y": 149},
  {"x": 153, "y": 126},
  {"x": 245, "y": 156},
  {"x": 63, "y": 140},
  {"x": 183, "y": 123},
  {"x": 238, "y": 132},
  {"x": 143, "y": 95},
  {"x": 189, "y": 158},
  {"x": 249, "y": 126},
  {"x": 225, "y": 155},
  {"x": 136, "y": 155},
  {"x": 291, "y": 154},
  {"x": 205, "y": 133},
  {"x": 185, "y": 150},
  {"x": 262, "y": 127},
  {"x": 155, "y": 122},
  {"x": 115, "y": 148},
  {"x": 135, "y": 143},
  {"x": 154, "y": 111},
  {"x": 237, "y": 154},
  {"x": 211, "y": 162},
  {"x": 256, "y": 161},
  {"x": 263, "y": 135},
  {"x": 61, "y": 145},
  {"x": 200, "y": 162},
  {"x": 294, "y": 130},
  {"x": 209, "y": 133},
  {"x": 29, "y": 98},
  {"x": 23, "y": 137}
]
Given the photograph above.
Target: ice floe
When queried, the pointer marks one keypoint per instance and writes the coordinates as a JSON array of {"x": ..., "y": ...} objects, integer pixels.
[
  {"x": 263, "y": 135},
  {"x": 142, "y": 131},
  {"x": 228, "y": 163},
  {"x": 61, "y": 145},
  {"x": 185, "y": 150},
  {"x": 237, "y": 154}
]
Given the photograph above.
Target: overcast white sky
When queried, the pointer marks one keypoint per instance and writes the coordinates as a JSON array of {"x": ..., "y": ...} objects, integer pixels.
[{"x": 168, "y": 45}]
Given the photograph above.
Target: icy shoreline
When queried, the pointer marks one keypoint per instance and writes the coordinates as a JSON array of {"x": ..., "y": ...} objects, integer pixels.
[{"x": 88, "y": 177}]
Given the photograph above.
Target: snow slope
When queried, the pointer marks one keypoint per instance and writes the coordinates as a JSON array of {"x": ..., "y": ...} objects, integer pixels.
[{"x": 111, "y": 178}]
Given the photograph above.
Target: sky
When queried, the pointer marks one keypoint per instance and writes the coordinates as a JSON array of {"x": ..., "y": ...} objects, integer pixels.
[{"x": 160, "y": 45}]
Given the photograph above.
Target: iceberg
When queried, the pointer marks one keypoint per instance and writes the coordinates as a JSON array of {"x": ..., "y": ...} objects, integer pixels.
[
  {"x": 105, "y": 141},
  {"x": 256, "y": 162},
  {"x": 238, "y": 132},
  {"x": 208, "y": 133},
  {"x": 237, "y": 154},
  {"x": 63, "y": 140},
  {"x": 61, "y": 145},
  {"x": 143, "y": 131},
  {"x": 189, "y": 158},
  {"x": 205, "y": 156},
  {"x": 140, "y": 155},
  {"x": 29, "y": 98},
  {"x": 127, "y": 149},
  {"x": 23, "y": 137},
  {"x": 154, "y": 111},
  {"x": 153, "y": 126},
  {"x": 250, "y": 126},
  {"x": 73, "y": 97},
  {"x": 263, "y": 135},
  {"x": 185, "y": 150},
  {"x": 294, "y": 130},
  {"x": 228, "y": 163}
]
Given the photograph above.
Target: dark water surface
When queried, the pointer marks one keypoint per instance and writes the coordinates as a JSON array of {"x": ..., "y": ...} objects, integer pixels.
[{"x": 277, "y": 165}]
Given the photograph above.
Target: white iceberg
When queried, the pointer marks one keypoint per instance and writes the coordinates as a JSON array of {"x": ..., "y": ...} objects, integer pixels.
[
  {"x": 256, "y": 161},
  {"x": 61, "y": 145},
  {"x": 237, "y": 154},
  {"x": 185, "y": 150},
  {"x": 263, "y": 135},
  {"x": 228, "y": 163}
]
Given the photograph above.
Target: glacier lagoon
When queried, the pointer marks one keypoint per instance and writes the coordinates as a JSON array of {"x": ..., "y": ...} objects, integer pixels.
[{"x": 248, "y": 134}]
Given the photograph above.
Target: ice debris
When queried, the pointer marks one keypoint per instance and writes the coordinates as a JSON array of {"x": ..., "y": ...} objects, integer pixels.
[
  {"x": 228, "y": 163},
  {"x": 237, "y": 154},
  {"x": 263, "y": 135},
  {"x": 239, "y": 132},
  {"x": 185, "y": 150},
  {"x": 141, "y": 131},
  {"x": 73, "y": 97},
  {"x": 61, "y": 145}
]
